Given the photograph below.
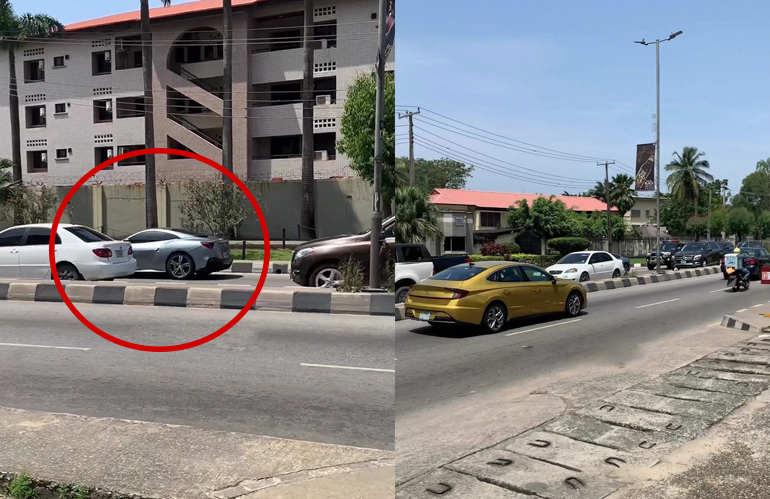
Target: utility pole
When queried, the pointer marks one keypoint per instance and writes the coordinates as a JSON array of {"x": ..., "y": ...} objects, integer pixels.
[
  {"x": 307, "y": 210},
  {"x": 409, "y": 115},
  {"x": 607, "y": 197},
  {"x": 709, "y": 223},
  {"x": 374, "y": 255},
  {"x": 657, "y": 134}
]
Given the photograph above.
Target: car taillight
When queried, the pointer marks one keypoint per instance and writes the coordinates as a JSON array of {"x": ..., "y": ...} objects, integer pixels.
[
  {"x": 468, "y": 259},
  {"x": 458, "y": 293},
  {"x": 208, "y": 245},
  {"x": 723, "y": 259},
  {"x": 434, "y": 270},
  {"x": 103, "y": 252},
  {"x": 130, "y": 250},
  {"x": 752, "y": 261}
]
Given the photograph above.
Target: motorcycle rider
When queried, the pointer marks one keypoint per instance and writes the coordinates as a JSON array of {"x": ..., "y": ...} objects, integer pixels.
[{"x": 736, "y": 264}]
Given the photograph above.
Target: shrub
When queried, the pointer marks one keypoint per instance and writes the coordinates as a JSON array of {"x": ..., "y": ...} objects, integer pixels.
[
  {"x": 390, "y": 275},
  {"x": 22, "y": 487},
  {"x": 512, "y": 248},
  {"x": 351, "y": 276},
  {"x": 539, "y": 260},
  {"x": 493, "y": 249},
  {"x": 566, "y": 245}
]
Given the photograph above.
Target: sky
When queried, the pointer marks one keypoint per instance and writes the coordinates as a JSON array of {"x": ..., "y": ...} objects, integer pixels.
[{"x": 566, "y": 76}]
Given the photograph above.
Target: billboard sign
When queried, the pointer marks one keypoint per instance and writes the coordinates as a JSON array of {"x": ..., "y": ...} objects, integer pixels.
[{"x": 645, "y": 167}]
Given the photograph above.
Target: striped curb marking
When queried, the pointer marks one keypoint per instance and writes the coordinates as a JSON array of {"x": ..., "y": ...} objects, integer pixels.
[
  {"x": 733, "y": 323},
  {"x": 248, "y": 267},
  {"x": 381, "y": 304}
]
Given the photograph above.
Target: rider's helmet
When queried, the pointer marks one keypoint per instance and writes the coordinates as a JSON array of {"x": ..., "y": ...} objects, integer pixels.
[{"x": 737, "y": 250}]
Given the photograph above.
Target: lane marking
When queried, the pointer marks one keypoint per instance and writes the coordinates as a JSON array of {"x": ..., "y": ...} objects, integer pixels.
[
  {"x": 714, "y": 324},
  {"x": 658, "y": 303},
  {"x": 758, "y": 305},
  {"x": 241, "y": 285},
  {"x": 544, "y": 327},
  {"x": 718, "y": 290},
  {"x": 741, "y": 310},
  {"x": 350, "y": 368},
  {"x": 42, "y": 346}
]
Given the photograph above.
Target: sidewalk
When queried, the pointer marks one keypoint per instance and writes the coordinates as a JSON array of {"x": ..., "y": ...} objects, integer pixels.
[{"x": 149, "y": 460}]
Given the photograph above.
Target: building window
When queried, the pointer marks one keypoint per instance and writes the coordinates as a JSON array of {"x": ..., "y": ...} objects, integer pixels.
[
  {"x": 60, "y": 108},
  {"x": 326, "y": 34},
  {"x": 103, "y": 111},
  {"x": 37, "y": 161},
  {"x": 286, "y": 147},
  {"x": 647, "y": 213},
  {"x": 490, "y": 219},
  {"x": 286, "y": 93},
  {"x": 325, "y": 90},
  {"x": 286, "y": 39},
  {"x": 459, "y": 222},
  {"x": 128, "y": 53},
  {"x": 325, "y": 146},
  {"x": 58, "y": 62},
  {"x": 130, "y": 107},
  {"x": 34, "y": 71},
  {"x": 636, "y": 213},
  {"x": 35, "y": 116},
  {"x": 101, "y": 63},
  {"x": 456, "y": 243},
  {"x": 61, "y": 154},
  {"x": 102, "y": 154},
  {"x": 136, "y": 160}
]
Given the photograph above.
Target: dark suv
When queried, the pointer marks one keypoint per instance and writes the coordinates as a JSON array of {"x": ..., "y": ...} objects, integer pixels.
[
  {"x": 316, "y": 263},
  {"x": 698, "y": 255},
  {"x": 667, "y": 251}
]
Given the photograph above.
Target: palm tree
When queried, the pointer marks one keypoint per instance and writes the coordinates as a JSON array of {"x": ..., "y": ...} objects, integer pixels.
[
  {"x": 151, "y": 200},
  {"x": 416, "y": 218},
  {"x": 598, "y": 192},
  {"x": 688, "y": 176},
  {"x": 621, "y": 193},
  {"x": 14, "y": 31}
]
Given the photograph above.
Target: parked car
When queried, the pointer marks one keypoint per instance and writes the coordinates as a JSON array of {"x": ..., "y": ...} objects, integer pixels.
[
  {"x": 410, "y": 273},
  {"x": 418, "y": 252},
  {"x": 489, "y": 294},
  {"x": 750, "y": 244},
  {"x": 753, "y": 260},
  {"x": 80, "y": 252},
  {"x": 316, "y": 263},
  {"x": 179, "y": 253},
  {"x": 626, "y": 263},
  {"x": 726, "y": 247},
  {"x": 667, "y": 251},
  {"x": 698, "y": 255},
  {"x": 587, "y": 265}
]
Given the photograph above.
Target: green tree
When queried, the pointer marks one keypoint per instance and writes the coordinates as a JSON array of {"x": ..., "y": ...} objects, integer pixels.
[
  {"x": 740, "y": 222},
  {"x": 215, "y": 208},
  {"x": 6, "y": 179},
  {"x": 698, "y": 226},
  {"x": 432, "y": 174},
  {"x": 762, "y": 225},
  {"x": 754, "y": 194},
  {"x": 622, "y": 193},
  {"x": 719, "y": 220},
  {"x": 688, "y": 175},
  {"x": 32, "y": 205},
  {"x": 416, "y": 218},
  {"x": 671, "y": 211},
  {"x": 547, "y": 218},
  {"x": 598, "y": 192},
  {"x": 15, "y": 30},
  {"x": 357, "y": 130}
]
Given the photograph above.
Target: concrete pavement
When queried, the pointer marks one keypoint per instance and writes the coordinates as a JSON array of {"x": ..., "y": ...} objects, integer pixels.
[{"x": 309, "y": 377}]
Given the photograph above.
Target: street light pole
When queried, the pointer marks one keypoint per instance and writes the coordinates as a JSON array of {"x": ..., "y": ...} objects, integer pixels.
[{"x": 657, "y": 136}]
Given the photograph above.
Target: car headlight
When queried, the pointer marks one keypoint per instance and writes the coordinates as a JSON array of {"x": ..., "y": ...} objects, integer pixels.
[
  {"x": 571, "y": 271},
  {"x": 302, "y": 253},
  {"x": 649, "y": 255},
  {"x": 666, "y": 254},
  {"x": 697, "y": 257}
]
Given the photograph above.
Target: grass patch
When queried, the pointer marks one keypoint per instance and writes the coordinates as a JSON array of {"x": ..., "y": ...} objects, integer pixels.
[
  {"x": 22, "y": 487},
  {"x": 638, "y": 260},
  {"x": 276, "y": 255}
]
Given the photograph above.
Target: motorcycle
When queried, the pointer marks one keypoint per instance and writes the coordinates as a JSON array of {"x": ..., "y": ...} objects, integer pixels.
[{"x": 736, "y": 281}]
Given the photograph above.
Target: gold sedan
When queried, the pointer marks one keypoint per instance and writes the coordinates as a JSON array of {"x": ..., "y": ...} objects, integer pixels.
[{"x": 492, "y": 293}]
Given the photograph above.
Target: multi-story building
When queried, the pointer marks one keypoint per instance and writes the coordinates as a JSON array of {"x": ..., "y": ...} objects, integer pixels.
[{"x": 81, "y": 94}]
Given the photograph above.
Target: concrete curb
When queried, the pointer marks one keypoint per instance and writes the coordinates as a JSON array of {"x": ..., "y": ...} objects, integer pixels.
[
  {"x": 320, "y": 302},
  {"x": 623, "y": 282},
  {"x": 731, "y": 322},
  {"x": 250, "y": 267}
]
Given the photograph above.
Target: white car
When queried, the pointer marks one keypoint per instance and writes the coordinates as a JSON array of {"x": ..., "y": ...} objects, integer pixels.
[
  {"x": 81, "y": 253},
  {"x": 410, "y": 273},
  {"x": 584, "y": 266}
]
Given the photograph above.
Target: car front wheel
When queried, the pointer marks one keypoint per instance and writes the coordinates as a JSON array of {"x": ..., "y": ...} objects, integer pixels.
[
  {"x": 574, "y": 304},
  {"x": 325, "y": 276},
  {"x": 494, "y": 318},
  {"x": 584, "y": 277}
]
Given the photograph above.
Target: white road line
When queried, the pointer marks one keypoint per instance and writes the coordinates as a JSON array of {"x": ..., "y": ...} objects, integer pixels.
[
  {"x": 718, "y": 290},
  {"x": 350, "y": 368},
  {"x": 714, "y": 324},
  {"x": 658, "y": 303},
  {"x": 758, "y": 305},
  {"x": 42, "y": 346},
  {"x": 741, "y": 310},
  {"x": 544, "y": 327}
]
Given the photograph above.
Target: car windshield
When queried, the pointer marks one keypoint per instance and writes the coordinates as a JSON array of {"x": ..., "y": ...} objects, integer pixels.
[
  {"x": 694, "y": 247},
  {"x": 575, "y": 258},
  {"x": 88, "y": 235},
  {"x": 668, "y": 247},
  {"x": 459, "y": 273}
]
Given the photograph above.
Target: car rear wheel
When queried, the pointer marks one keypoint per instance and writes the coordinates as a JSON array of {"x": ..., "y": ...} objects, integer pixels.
[
  {"x": 325, "y": 276},
  {"x": 401, "y": 294},
  {"x": 574, "y": 304},
  {"x": 494, "y": 318},
  {"x": 616, "y": 274},
  {"x": 650, "y": 267},
  {"x": 584, "y": 277},
  {"x": 68, "y": 272},
  {"x": 180, "y": 266}
]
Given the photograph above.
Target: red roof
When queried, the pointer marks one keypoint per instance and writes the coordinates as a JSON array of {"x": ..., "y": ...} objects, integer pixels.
[
  {"x": 158, "y": 13},
  {"x": 504, "y": 200}
]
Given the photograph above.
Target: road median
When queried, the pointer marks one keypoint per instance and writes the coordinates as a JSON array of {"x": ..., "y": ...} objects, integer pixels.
[{"x": 223, "y": 297}]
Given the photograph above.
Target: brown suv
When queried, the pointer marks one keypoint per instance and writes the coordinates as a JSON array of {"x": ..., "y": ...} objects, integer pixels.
[{"x": 316, "y": 263}]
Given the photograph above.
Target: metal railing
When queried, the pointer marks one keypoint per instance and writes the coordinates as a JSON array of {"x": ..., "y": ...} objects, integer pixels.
[
  {"x": 194, "y": 129},
  {"x": 201, "y": 83}
]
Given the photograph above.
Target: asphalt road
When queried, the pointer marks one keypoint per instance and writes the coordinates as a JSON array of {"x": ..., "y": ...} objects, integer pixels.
[
  {"x": 437, "y": 366},
  {"x": 323, "y": 378}
]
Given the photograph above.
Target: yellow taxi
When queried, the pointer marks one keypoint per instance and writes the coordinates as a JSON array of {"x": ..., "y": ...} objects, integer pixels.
[{"x": 490, "y": 294}]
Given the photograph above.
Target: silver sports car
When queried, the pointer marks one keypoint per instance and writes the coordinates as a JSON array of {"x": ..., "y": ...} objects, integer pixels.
[{"x": 179, "y": 253}]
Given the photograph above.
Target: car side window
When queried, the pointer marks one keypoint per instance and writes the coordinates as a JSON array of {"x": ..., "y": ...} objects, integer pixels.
[
  {"x": 412, "y": 254},
  {"x": 509, "y": 274},
  {"x": 534, "y": 274},
  {"x": 605, "y": 257},
  {"x": 390, "y": 231},
  {"x": 38, "y": 236},
  {"x": 151, "y": 236},
  {"x": 11, "y": 237}
]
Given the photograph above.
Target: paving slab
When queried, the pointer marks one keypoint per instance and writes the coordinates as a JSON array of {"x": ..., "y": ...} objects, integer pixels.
[
  {"x": 532, "y": 477},
  {"x": 661, "y": 387},
  {"x": 700, "y": 371},
  {"x": 643, "y": 420},
  {"x": 730, "y": 366},
  {"x": 735, "y": 387},
  {"x": 736, "y": 355},
  {"x": 573, "y": 454},
  {"x": 705, "y": 411},
  {"x": 452, "y": 485},
  {"x": 588, "y": 429}
]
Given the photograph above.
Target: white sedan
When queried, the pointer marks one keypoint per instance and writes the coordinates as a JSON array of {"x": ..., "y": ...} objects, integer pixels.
[
  {"x": 81, "y": 253},
  {"x": 587, "y": 265}
]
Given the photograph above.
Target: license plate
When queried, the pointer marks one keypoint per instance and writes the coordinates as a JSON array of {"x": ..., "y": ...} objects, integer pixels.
[
  {"x": 119, "y": 253},
  {"x": 424, "y": 316}
]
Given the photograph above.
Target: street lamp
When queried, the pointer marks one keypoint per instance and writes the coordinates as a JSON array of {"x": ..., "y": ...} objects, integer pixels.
[{"x": 657, "y": 133}]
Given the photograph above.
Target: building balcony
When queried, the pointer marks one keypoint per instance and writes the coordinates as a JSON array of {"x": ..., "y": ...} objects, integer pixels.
[
  {"x": 273, "y": 121},
  {"x": 286, "y": 65}
]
